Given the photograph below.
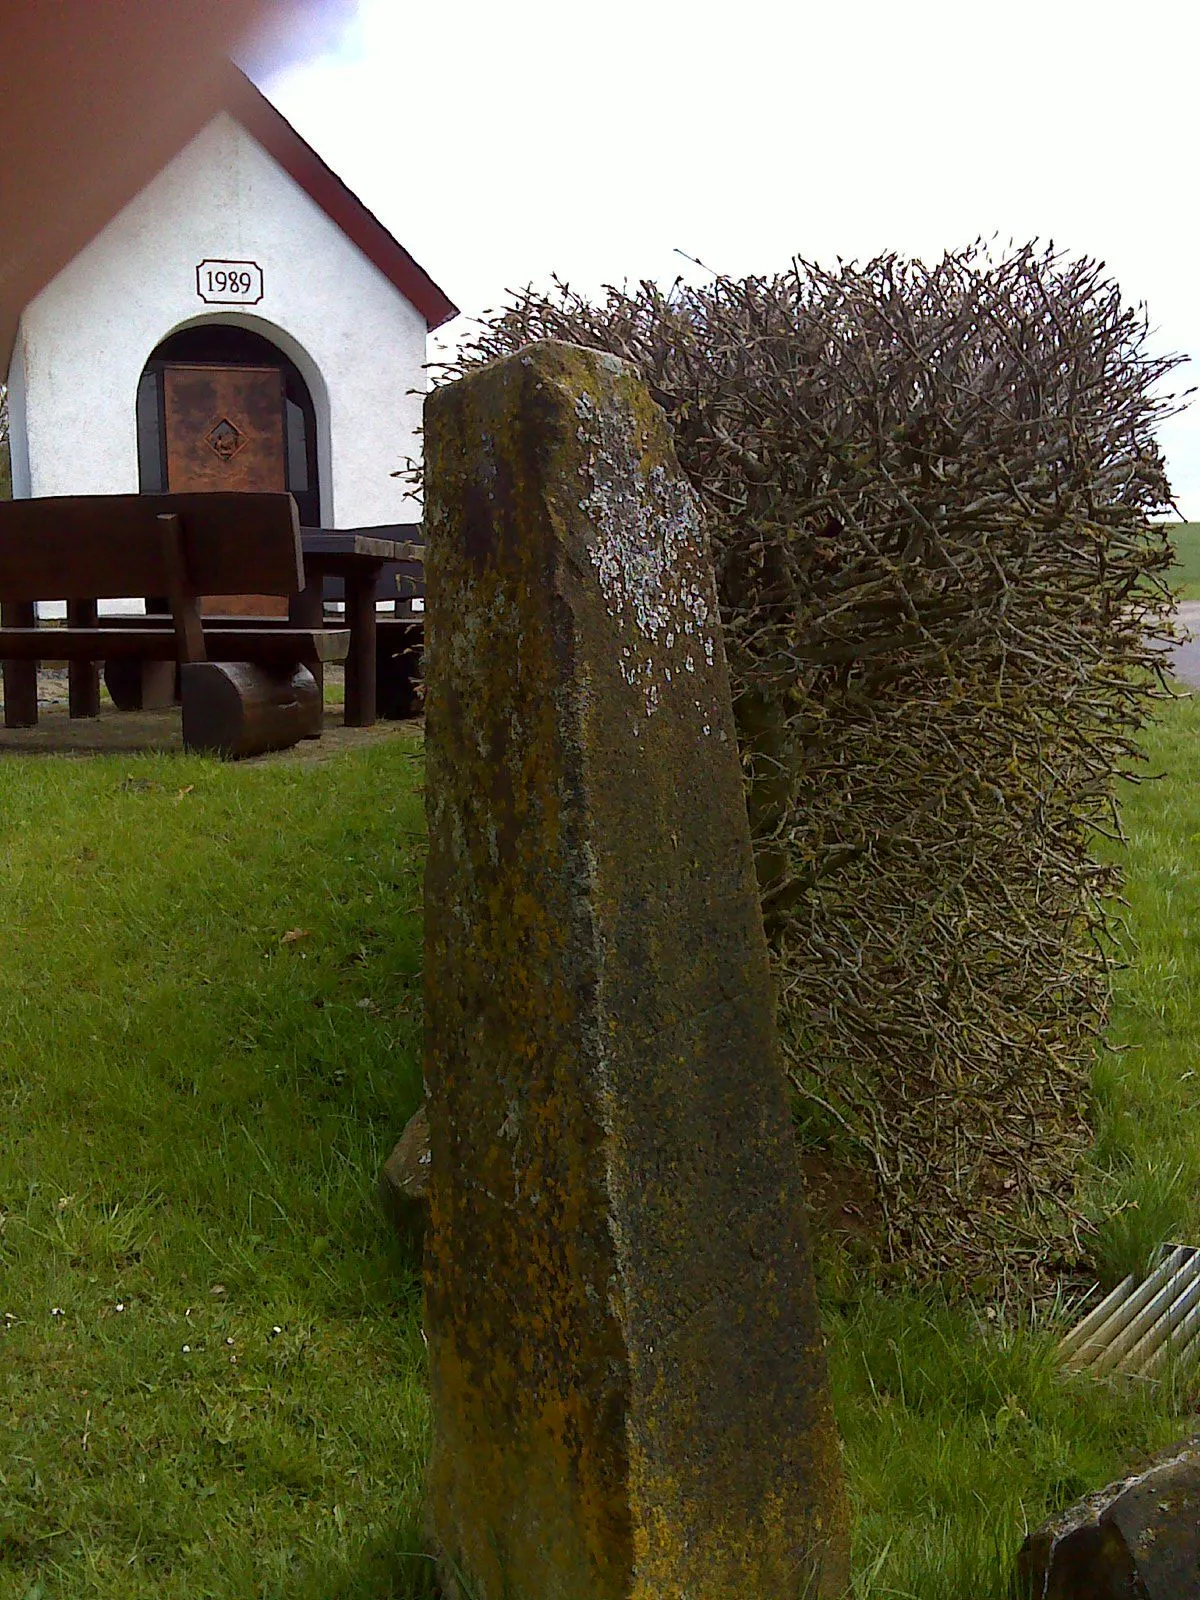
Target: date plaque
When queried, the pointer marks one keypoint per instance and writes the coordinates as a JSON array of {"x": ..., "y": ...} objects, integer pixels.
[{"x": 229, "y": 283}]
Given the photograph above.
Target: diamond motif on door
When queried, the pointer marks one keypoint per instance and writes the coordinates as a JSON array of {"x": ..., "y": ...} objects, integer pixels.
[{"x": 224, "y": 440}]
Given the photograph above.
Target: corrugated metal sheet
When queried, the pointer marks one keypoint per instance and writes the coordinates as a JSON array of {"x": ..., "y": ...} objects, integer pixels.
[{"x": 1141, "y": 1326}]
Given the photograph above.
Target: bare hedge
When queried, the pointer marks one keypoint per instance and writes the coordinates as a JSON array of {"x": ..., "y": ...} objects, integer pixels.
[{"x": 932, "y": 493}]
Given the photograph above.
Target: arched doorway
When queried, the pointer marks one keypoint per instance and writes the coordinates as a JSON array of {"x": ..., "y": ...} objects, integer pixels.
[{"x": 220, "y": 406}]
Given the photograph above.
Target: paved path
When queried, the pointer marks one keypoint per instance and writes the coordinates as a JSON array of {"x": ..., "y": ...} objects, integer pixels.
[{"x": 1186, "y": 655}]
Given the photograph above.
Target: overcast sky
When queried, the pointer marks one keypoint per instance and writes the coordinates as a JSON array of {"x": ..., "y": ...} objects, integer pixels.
[{"x": 503, "y": 142}]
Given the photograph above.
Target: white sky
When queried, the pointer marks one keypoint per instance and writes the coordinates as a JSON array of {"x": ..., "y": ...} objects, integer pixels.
[{"x": 503, "y": 142}]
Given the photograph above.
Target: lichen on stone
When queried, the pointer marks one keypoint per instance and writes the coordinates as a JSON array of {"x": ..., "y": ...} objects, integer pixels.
[{"x": 648, "y": 552}]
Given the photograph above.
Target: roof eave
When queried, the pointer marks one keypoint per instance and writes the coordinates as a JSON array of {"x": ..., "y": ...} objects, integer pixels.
[{"x": 249, "y": 106}]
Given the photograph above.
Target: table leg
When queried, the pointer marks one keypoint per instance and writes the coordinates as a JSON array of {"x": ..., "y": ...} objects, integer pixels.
[
  {"x": 307, "y": 610},
  {"x": 83, "y": 677},
  {"x": 360, "y": 663},
  {"x": 20, "y": 677}
]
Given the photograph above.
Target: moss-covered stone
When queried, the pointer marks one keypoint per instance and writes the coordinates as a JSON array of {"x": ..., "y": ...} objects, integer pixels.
[
  {"x": 1138, "y": 1539},
  {"x": 627, "y": 1368}
]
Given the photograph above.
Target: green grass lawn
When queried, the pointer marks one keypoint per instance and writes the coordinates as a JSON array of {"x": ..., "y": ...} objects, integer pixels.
[
  {"x": 211, "y": 1369},
  {"x": 959, "y": 1432},
  {"x": 1147, "y": 1182},
  {"x": 1185, "y": 576},
  {"x": 211, "y": 1362}
]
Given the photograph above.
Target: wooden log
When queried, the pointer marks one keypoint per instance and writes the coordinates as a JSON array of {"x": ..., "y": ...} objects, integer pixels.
[
  {"x": 236, "y": 709},
  {"x": 20, "y": 677},
  {"x": 141, "y": 685}
]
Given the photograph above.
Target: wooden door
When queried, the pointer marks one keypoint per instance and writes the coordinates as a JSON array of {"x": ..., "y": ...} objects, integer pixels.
[{"x": 224, "y": 430}]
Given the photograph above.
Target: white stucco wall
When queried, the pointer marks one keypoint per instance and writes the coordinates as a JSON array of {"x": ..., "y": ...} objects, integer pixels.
[
  {"x": 83, "y": 342},
  {"x": 18, "y": 448}
]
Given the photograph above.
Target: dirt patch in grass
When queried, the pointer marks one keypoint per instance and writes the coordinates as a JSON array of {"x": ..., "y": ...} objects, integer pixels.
[
  {"x": 843, "y": 1205},
  {"x": 160, "y": 732}
]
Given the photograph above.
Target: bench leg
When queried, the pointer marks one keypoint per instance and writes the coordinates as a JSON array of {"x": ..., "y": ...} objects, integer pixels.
[
  {"x": 83, "y": 677},
  {"x": 396, "y": 671},
  {"x": 141, "y": 685},
  {"x": 307, "y": 610},
  {"x": 233, "y": 709},
  {"x": 360, "y": 663},
  {"x": 20, "y": 677}
]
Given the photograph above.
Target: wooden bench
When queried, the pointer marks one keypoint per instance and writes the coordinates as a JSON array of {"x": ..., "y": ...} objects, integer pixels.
[{"x": 243, "y": 689}]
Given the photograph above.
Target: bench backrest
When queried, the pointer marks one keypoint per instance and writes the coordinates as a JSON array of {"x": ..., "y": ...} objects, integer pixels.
[{"x": 100, "y": 547}]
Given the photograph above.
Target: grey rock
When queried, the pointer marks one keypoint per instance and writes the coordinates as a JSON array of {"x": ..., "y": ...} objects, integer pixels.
[
  {"x": 404, "y": 1182},
  {"x": 1136, "y": 1539}
]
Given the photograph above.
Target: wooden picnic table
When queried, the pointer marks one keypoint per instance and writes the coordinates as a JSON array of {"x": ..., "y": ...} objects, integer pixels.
[{"x": 357, "y": 557}]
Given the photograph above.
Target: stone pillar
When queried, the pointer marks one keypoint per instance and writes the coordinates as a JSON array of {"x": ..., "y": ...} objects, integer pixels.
[{"x": 626, "y": 1362}]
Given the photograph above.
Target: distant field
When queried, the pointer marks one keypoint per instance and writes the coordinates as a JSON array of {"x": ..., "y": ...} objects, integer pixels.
[{"x": 1185, "y": 575}]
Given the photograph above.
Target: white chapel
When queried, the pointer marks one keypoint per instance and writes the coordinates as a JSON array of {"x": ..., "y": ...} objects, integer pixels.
[{"x": 244, "y": 322}]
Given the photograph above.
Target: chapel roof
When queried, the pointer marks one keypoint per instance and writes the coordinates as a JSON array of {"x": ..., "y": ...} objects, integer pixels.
[{"x": 229, "y": 90}]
